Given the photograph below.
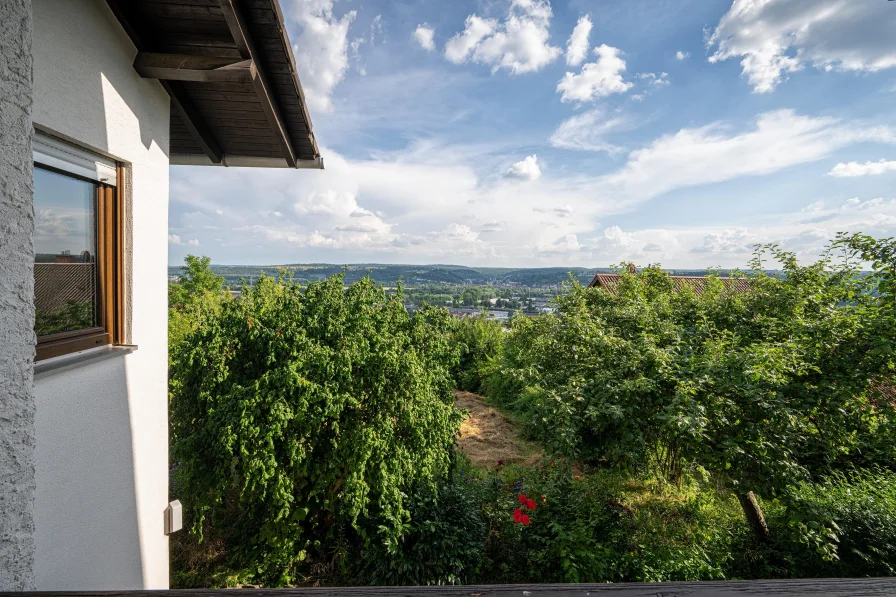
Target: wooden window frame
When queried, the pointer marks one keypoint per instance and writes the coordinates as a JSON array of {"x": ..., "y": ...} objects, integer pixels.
[{"x": 110, "y": 297}]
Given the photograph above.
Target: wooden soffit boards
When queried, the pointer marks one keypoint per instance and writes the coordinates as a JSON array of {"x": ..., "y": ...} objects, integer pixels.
[{"x": 229, "y": 69}]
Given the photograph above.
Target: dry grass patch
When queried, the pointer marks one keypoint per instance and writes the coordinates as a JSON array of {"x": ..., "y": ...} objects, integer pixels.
[{"x": 487, "y": 435}]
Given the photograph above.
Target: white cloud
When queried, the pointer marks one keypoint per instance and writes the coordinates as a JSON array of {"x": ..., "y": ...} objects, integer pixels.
[
  {"x": 459, "y": 47},
  {"x": 777, "y": 37},
  {"x": 726, "y": 242},
  {"x": 857, "y": 169},
  {"x": 568, "y": 243},
  {"x": 424, "y": 35},
  {"x": 679, "y": 55},
  {"x": 655, "y": 79},
  {"x": 193, "y": 242},
  {"x": 432, "y": 203},
  {"x": 577, "y": 46},
  {"x": 712, "y": 153},
  {"x": 321, "y": 50},
  {"x": 525, "y": 169},
  {"x": 586, "y": 131},
  {"x": 597, "y": 79},
  {"x": 562, "y": 211},
  {"x": 614, "y": 238},
  {"x": 521, "y": 44},
  {"x": 493, "y": 226},
  {"x": 174, "y": 239}
]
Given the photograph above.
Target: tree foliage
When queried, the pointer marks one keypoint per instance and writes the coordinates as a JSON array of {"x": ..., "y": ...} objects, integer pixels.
[
  {"x": 763, "y": 388},
  {"x": 197, "y": 279},
  {"x": 295, "y": 411}
]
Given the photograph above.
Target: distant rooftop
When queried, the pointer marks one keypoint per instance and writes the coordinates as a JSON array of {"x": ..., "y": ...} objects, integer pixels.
[{"x": 610, "y": 283}]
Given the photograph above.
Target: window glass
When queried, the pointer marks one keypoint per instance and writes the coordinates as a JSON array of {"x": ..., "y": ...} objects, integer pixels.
[{"x": 65, "y": 271}]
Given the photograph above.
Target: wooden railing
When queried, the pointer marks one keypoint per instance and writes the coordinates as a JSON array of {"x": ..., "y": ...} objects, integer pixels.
[{"x": 869, "y": 587}]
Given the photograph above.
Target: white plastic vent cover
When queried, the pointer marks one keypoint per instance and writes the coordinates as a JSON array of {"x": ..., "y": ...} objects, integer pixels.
[{"x": 54, "y": 153}]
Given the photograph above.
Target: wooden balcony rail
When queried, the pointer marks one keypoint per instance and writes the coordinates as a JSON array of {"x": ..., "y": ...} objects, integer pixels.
[{"x": 833, "y": 587}]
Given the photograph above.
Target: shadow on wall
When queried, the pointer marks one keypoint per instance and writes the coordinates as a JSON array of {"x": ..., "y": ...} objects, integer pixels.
[
  {"x": 86, "y": 531},
  {"x": 85, "y": 87}
]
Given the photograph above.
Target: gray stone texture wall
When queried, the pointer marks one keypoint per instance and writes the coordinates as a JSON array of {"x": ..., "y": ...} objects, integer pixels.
[{"x": 16, "y": 299}]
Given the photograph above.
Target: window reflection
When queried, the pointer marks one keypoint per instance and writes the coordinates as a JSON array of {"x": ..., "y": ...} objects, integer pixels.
[{"x": 65, "y": 274}]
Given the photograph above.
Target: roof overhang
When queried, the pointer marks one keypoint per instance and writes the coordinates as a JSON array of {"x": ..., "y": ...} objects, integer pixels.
[{"x": 228, "y": 67}]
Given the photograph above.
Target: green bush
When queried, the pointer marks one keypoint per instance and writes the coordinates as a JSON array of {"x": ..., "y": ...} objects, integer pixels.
[
  {"x": 765, "y": 386},
  {"x": 441, "y": 544},
  {"x": 859, "y": 508},
  {"x": 479, "y": 341},
  {"x": 295, "y": 412},
  {"x": 603, "y": 527}
]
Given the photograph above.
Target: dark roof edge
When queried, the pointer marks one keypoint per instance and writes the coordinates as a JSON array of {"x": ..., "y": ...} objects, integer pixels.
[
  {"x": 287, "y": 47},
  {"x": 241, "y": 161}
]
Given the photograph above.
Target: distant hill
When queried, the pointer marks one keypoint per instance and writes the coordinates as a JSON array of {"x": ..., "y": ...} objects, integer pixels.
[{"x": 417, "y": 275}]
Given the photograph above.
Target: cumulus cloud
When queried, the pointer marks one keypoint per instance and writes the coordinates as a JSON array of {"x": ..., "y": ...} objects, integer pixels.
[
  {"x": 857, "y": 169},
  {"x": 734, "y": 241},
  {"x": 321, "y": 50},
  {"x": 597, "y": 79},
  {"x": 525, "y": 169},
  {"x": 776, "y": 37},
  {"x": 569, "y": 243},
  {"x": 679, "y": 55},
  {"x": 193, "y": 242},
  {"x": 173, "y": 239},
  {"x": 424, "y": 34},
  {"x": 459, "y": 47},
  {"x": 587, "y": 131},
  {"x": 520, "y": 44},
  {"x": 578, "y": 44},
  {"x": 614, "y": 238}
]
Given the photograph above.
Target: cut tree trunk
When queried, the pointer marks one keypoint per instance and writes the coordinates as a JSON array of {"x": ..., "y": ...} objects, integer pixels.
[{"x": 754, "y": 515}]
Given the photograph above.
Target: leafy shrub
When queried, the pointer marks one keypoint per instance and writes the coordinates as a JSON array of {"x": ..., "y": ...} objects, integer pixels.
[
  {"x": 604, "y": 527},
  {"x": 298, "y": 411},
  {"x": 856, "y": 513},
  {"x": 442, "y": 543},
  {"x": 479, "y": 341},
  {"x": 764, "y": 388}
]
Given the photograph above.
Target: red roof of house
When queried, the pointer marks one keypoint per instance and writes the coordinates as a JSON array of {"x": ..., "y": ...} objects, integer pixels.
[
  {"x": 883, "y": 392},
  {"x": 610, "y": 282}
]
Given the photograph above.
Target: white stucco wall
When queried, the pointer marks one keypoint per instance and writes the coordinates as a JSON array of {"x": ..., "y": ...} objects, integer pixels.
[
  {"x": 16, "y": 300},
  {"x": 101, "y": 454}
]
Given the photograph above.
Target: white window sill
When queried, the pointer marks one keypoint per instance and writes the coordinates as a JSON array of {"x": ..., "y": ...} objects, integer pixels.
[{"x": 48, "y": 367}]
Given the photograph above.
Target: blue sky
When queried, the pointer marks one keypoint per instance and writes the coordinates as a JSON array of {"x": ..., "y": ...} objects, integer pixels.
[{"x": 583, "y": 133}]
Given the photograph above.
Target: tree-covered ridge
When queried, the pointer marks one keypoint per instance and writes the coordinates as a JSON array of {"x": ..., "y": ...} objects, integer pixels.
[{"x": 413, "y": 275}]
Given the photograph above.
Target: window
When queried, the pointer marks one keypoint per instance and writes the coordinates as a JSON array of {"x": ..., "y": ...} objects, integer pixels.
[{"x": 78, "y": 269}]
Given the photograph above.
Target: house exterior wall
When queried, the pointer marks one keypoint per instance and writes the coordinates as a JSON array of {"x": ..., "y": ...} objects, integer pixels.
[
  {"x": 101, "y": 454},
  {"x": 16, "y": 299}
]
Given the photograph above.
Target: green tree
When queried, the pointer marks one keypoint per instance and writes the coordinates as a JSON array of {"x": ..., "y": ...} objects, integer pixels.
[
  {"x": 197, "y": 278},
  {"x": 199, "y": 291},
  {"x": 300, "y": 414},
  {"x": 763, "y": 388}
]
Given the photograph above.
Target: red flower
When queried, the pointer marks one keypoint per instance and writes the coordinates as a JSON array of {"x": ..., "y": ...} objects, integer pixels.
[
  {"x": 525, "y": 520},
  {"x": 517, "y": 515},
  {"x": 530, "y": 504},
  {"x": 522, "y": 498},
  {"x": 501, "y": 462}
]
